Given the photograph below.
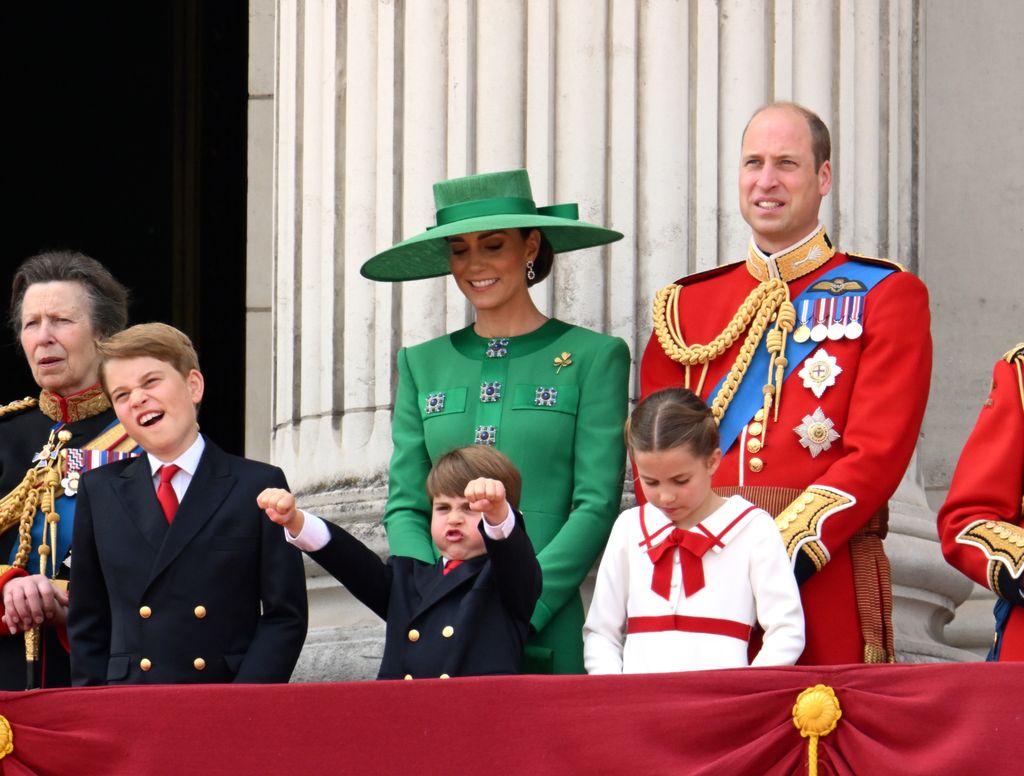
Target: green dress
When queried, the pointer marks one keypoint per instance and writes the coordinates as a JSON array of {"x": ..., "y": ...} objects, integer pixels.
[{"x": 559, "y": 421}]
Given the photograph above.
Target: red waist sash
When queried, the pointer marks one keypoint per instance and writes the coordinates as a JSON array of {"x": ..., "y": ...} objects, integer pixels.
[{"x": 682, "y": 622}]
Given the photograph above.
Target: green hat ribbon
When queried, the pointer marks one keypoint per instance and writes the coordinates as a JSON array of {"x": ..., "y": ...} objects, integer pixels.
[{"x": 503, "y": 206}]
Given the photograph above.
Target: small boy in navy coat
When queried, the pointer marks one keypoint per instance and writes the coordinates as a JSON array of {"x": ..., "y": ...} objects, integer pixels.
[{"x": 469, "y": 613}]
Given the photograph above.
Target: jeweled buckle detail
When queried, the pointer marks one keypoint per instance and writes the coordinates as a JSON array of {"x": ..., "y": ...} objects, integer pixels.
[
  {"x": 497, "y": 348},
  {"x": 490, "y": 392},
  {"x": 434, "y": 403},
  {"x": 545, "y": 397},
  {"x": 485, "y": 435}
]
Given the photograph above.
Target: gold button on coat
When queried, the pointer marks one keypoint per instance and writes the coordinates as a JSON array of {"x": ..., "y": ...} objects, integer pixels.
[
  {"x": 756, "y": 464},
  {"x": 754, "y": 445},
  {"x": 200, "y": 612},
  {"x": 145, "y": 612},
  {"x": 199, "y": 663},
  {"x": 755, "y": 429},
  {"x": 759, "y": 415},
  {"x": 448, "y": 631},
  {"x": 145, "y": 664},
  {"x": 414, "y": 635},
  {"x": 408, "y": 676},
  {"x": 444, "y": 676}
]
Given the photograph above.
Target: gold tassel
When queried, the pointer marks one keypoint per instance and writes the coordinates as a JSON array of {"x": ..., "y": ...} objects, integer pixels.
[
  {"x": 816, "y": 714},
  {"x": 6, "y": 737}
]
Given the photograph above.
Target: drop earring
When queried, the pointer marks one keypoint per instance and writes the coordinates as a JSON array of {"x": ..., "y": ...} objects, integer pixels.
[{"x": 530, "y": 274}]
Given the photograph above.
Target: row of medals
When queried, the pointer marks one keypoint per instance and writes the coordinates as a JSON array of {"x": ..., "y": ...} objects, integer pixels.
[{"x": 835, "y": 319}]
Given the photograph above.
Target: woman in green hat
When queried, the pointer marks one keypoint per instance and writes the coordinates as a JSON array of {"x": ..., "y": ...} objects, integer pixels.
[{"x": 550, "y": 395}]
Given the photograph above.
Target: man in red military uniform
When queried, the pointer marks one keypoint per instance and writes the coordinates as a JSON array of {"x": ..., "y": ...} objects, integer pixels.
[
  {"x": 981, "y": 525},
  {"x": 817, "y": 365}
]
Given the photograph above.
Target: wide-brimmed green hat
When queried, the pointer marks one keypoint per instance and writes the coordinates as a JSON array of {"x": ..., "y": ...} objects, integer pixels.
[{"x": 496, "y": 200}]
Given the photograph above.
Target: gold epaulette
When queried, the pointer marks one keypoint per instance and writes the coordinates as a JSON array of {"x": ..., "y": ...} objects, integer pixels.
[
  {"x": 18, "y": 405},
  {"x": 1016, "y": 353},
  {"x": 875, "y": 260}
]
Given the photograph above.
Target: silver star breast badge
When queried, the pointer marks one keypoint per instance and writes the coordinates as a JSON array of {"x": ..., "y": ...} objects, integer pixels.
[{"x": 816, "y": 432}]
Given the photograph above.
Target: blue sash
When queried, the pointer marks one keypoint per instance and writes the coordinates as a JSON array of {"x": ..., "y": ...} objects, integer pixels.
[{"x": 749, "y": 397}]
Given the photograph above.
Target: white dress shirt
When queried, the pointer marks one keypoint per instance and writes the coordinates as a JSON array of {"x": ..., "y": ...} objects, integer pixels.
[
  {"x": 187, "y": 461},
  {"x": 748, "y": 580}
]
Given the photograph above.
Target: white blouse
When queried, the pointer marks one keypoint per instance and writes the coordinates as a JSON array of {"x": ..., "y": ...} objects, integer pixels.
[{"x": 748, "y": 579}]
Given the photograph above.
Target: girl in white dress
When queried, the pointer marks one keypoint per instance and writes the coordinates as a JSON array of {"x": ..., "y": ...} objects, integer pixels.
[{"x": 685, "y": 577}]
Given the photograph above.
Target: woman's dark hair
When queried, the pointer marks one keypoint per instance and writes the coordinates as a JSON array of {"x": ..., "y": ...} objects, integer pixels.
[
  {"x": 108, "y": 299},
  {"x": 673, "y": 417},
  {"x": 545, "y": 256}
]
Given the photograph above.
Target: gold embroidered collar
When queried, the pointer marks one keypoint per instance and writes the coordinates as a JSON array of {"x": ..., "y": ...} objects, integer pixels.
[
  {"x": 792, "y": 262},
  {"x": 78, "y": 406}
]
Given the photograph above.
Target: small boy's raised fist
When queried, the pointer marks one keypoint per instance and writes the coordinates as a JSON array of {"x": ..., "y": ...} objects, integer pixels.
[
  {"x": 488, "y": 497},
  {"x": 279, "y": 505}
]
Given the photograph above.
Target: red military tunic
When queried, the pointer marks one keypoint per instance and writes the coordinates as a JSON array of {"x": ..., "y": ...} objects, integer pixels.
[
  {"x": 980, "y": 525},
  {"x": 875, "y": 403}
]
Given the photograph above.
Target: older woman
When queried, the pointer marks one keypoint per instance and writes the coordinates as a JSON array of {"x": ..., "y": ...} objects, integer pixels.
[
  {"x": 61, "y": 304},
  {"x": 550, "y": 395}
]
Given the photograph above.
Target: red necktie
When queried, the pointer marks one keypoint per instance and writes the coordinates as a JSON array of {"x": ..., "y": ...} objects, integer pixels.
[
  {"x": 165, "y": 492},
  {"x": 692, "y": 547},
  {"x": 450, "y": 565}
]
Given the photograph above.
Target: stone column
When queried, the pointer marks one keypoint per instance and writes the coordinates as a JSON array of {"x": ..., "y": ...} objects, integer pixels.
[{"x": 972, "y": 120}]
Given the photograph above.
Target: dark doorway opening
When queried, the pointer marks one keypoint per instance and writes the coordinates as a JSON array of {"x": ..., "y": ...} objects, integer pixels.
[{"x": 125, "y": 137}]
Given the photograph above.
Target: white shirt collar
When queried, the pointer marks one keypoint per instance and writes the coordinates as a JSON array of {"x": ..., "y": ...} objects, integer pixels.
[{"x": 188, "y": 461}]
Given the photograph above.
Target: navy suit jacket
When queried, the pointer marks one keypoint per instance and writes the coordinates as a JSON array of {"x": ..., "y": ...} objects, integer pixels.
[
  {"x": 216, "y": 596},
  {"x": 472, "y": 621}
]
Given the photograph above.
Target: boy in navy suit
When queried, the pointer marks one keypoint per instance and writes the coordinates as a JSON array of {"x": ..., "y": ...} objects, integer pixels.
[
  {"x": 160, "y": 593},
  {"x": 467, "y": 614}
]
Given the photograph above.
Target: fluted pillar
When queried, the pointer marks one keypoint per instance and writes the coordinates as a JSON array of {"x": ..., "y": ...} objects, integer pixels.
[{"x": 633, "y": 108}]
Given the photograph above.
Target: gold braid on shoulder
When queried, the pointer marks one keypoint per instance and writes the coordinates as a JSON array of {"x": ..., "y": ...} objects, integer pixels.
[
  {"x": 18, "y": 405},
  {"x": 767, "y": 303}
]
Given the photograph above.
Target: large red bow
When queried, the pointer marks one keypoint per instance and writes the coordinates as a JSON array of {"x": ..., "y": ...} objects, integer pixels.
[{"x": 692, "y": 547}]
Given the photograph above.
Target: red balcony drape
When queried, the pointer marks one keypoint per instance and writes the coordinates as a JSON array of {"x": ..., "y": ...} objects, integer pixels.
[{"x": 902, "y": 719}]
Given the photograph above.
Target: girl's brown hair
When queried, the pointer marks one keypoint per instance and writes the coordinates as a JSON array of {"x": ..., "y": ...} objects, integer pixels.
[{"x": 673, "y": 417}]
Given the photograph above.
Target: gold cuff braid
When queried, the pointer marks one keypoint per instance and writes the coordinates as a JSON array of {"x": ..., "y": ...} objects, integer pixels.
[
  {"x": 800, "y": 523},
  {"x": 1001, "y": 542}
]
